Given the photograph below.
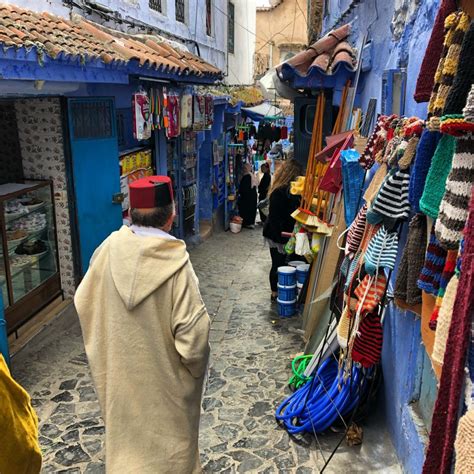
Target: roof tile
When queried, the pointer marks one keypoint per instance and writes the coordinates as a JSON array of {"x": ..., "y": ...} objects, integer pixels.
[{"x": 79, "y": 37}]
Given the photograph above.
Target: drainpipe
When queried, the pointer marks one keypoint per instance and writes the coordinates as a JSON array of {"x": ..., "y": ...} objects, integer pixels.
[{"x": 271, "y": 44}]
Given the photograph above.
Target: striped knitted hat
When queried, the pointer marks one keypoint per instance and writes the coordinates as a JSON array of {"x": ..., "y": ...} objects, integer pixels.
[
  {"x": 382, "y": 251},
  {"x": 391, "y": 202},
  {"x": 457, "y": 24},
  {"x": 367, "y": 347},
  {"x": 437, "y": 175},
  {"x": 448, "y": 272},
  {"x": 424, "y": 154},
  {"x": 435, "y": 258},
  {"x": 454, "y": 206},
  {"x": 412, "y": 262},
  {"x": 356, "y": 231}
]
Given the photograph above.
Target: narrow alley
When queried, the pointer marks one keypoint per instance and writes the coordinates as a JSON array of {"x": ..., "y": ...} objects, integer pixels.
[{"x": 250, "y": 366}]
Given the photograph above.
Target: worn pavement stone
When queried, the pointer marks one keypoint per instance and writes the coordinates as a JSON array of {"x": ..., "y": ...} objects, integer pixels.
[{"x": 250, "y": 365}]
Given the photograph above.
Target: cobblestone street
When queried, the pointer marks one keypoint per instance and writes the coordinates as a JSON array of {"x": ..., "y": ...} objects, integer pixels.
[{"x": 250, "y": 366}]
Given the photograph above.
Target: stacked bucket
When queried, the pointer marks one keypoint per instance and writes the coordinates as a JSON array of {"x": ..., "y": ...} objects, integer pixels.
[
  {"x": 286, "y": 291},
  {"x": 302, "y": 271}
]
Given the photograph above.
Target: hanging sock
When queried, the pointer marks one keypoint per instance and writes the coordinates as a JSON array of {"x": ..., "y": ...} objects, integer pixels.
[
  {"x": 367, "y": 348},
  {"x": 435, "y": 259},
  {"x": 448, "y": 272}
]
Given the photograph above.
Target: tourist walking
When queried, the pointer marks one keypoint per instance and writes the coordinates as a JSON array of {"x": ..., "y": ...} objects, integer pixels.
[
  {"x": 146, "y": 332},
  {"x": 263, "y": 188},
  {"x": 247, "y": 201},
  {"x": 282, "y": 205}
]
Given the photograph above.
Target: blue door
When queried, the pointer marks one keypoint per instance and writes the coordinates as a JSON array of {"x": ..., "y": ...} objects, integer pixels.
[{"x": 95, "y": 170}]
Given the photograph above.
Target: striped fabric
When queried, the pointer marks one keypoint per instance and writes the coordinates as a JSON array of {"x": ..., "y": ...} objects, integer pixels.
[
  {"x": 356, "y": 231},
  {"x": 367, "y": 347},
  {"x": 370, "y": 292},
  {"x": 454, "y": 206},
  {"x": 392, "y": 199},
  {"x": 448, "y": 272},
  {"x": 435, "y": 259},
  {"x": 382, "y": 251}
]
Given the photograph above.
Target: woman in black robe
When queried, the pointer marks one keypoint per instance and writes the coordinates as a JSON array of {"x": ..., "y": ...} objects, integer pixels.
[
  {"x": 263, "y": 187},
  {"x": 248, "y": 197}
]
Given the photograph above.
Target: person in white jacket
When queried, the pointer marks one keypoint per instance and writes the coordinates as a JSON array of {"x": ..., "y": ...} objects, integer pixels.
[{"x": 146, "y": 335}]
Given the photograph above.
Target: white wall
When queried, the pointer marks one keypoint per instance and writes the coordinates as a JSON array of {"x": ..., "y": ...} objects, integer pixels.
[
  {"x": 213, "y": 48},
  {"x": 240, "y": 64}
]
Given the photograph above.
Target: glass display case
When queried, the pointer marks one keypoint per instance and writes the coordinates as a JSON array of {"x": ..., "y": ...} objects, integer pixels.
[{"x": 29, "y": 269}]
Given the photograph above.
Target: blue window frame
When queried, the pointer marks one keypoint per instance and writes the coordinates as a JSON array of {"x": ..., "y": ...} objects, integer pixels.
[{"x": 394, "y": 91}]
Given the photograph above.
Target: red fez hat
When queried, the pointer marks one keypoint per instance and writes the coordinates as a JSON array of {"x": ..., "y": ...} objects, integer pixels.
[{"x": 149, "y": 192}]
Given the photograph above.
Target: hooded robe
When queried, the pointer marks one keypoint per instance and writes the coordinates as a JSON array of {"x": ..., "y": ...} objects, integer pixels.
[{"x": 146, "y": 333}]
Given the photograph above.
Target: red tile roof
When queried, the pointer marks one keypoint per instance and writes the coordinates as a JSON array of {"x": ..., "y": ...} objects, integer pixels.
[{"x": 88, "y": 41}]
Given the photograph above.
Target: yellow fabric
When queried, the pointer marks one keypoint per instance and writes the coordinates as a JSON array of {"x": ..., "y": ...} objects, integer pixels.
[
  {"x": 19, "y": 448},
  {"x": 146, "y": 333}
]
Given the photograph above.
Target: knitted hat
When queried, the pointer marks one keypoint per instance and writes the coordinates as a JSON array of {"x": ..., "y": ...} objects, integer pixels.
[
  {"x": 424, "y": 84},
  {"x": 463, "y": 444},
  {"x": 457, "y": 25},
  {"x": 444, "y": 320},
  {"x": 375, "y": 183},
  {"x": 412, "y": 262},
  {"x": 437, "y": 175},
  {"x": 391, "y": 202},
  {"x": 464, "y": 79},
  {"x": 382, "y": 251},
  {"x": 424, "y": 154},
  {"x": 409, "y": 153},
  {"x": 356, "y": 230},
  {"x": 448, "y": 272},
  {"x": 344, "y": 328},
  {"x": 367, "y": 347},
  {"x": 435, "y": 259},
  {"x": 454, "y": 206}
]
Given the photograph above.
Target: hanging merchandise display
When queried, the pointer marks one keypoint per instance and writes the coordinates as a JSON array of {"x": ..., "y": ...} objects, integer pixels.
[
  {"x": 173, "y": 114},
  {"x": 142, "y": 118},
  {"x": 186, "y": 110},
  {"x": 199, "y": 112}
]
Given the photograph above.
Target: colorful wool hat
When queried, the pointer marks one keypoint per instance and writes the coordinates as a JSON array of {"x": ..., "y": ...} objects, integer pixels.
[
  {"x": 461, "y": 124},
  {"x": 424, "y": 84},
  {"x": 375, "y": 183},
  {"x": 435, "y": 258},
  {"x": 150, "y": 192},
  {"x": 412, "y": 261},
  {"x": 444, "y": 320},
  {"x": 382, "y": 251},
  {"x": 448, "y": 272},
  {"x": 367, "y": 158},
  {"x": 437, "y": 175},
  {"x": 391, "y": 202},
  {"x": 419, "y": 170},
  {"x": 457, "y": 24},
  {"x": 409, "y": 153},
  {"x": 367, "y": 347}
]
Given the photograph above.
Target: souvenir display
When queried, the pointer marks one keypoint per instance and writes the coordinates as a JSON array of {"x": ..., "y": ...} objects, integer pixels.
[{"x": 142, "y": 118}]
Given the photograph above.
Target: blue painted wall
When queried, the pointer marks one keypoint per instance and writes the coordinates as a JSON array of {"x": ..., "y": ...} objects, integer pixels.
[{"x": 403, "y": 350}]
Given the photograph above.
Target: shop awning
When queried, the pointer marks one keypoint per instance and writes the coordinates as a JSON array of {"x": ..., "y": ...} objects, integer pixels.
[
  {"x": 259, "y": 112},
  {"x": 89, "y": 52}
]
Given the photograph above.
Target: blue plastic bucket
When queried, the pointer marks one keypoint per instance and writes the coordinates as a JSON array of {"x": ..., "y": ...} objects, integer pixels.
[
  {"x": 286, "y": 309},
  {"x": 302, "y": 272},
  {"x": 286, "y": 293},
  {"x": 287, "y": 276},
  {"x": 295, "y": 263}
]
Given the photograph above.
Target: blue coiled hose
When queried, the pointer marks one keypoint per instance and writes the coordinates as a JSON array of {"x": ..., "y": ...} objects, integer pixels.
[{"x": 317, "y": 404}]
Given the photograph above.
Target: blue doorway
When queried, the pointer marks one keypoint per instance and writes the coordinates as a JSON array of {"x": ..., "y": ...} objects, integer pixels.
[{"x": 95, "y": 173}]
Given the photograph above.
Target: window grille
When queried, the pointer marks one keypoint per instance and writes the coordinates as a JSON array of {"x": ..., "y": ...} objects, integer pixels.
[
  {"x": 155, "y": 5},
  {"x": 230, "y": 28},
  {"x": 180, "y": 13},
  {"x": 92, "y": 119}
]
